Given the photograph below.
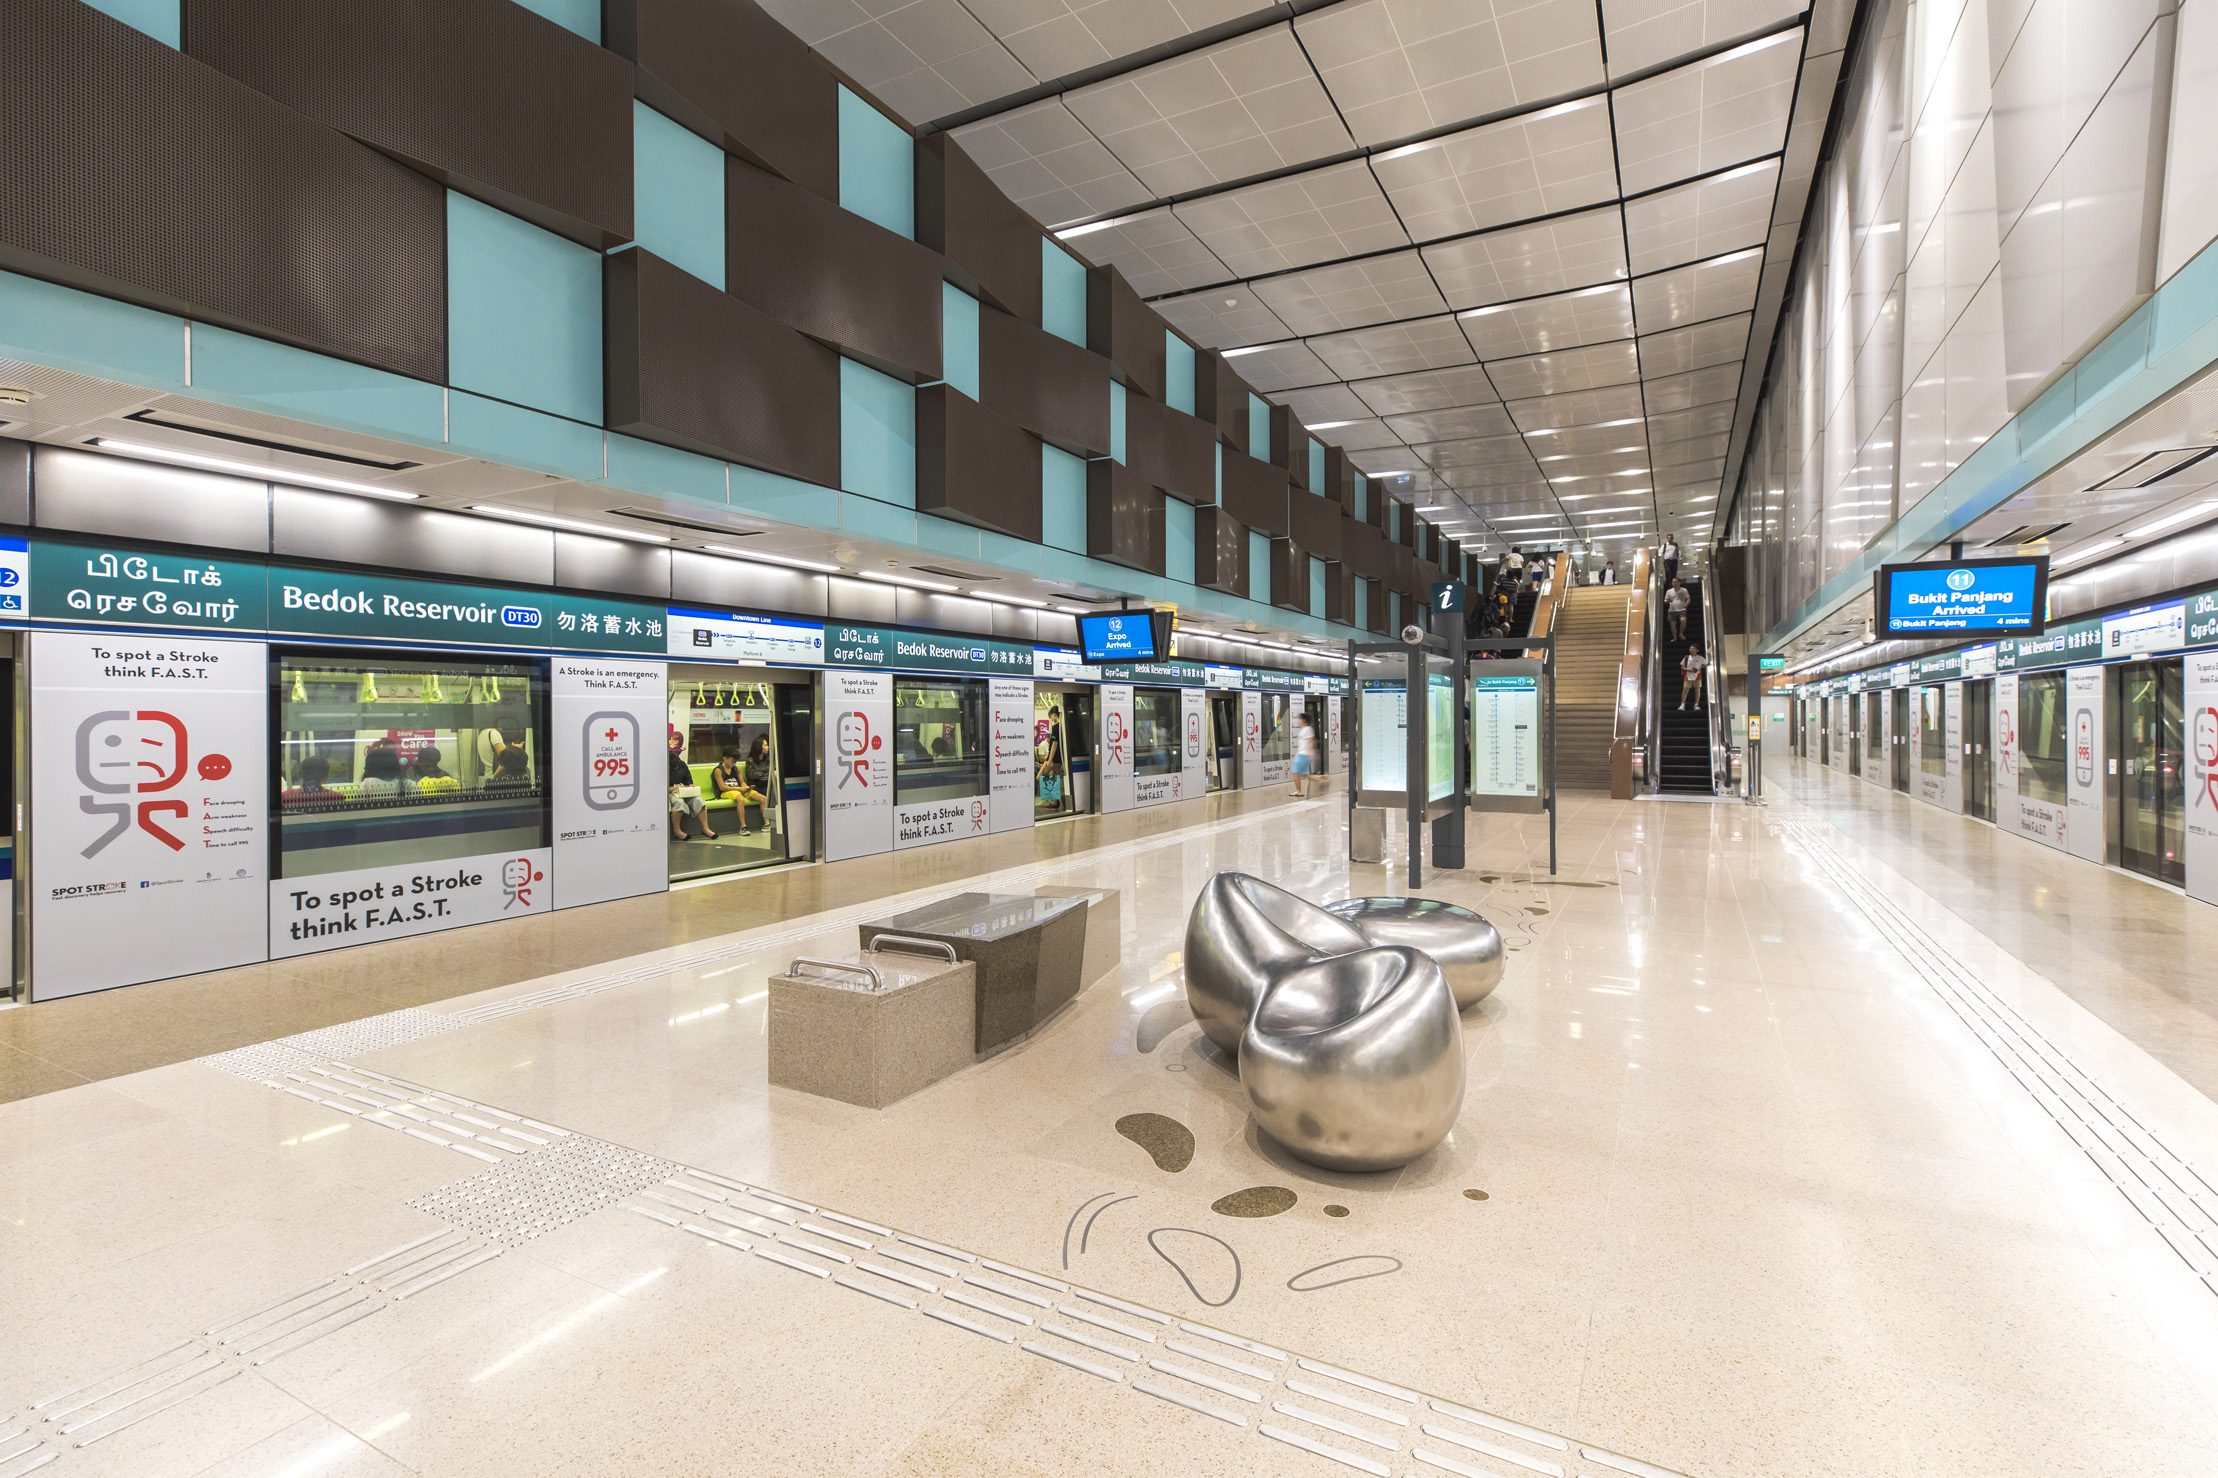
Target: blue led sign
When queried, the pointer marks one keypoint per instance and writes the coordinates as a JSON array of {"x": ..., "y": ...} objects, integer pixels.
[{"x": 1970, "y": 597}]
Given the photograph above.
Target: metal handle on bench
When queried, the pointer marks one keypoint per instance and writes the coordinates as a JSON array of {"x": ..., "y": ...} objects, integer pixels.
[
  {"x": 916, "y": 946},
  {"x": 839, "y": 967}
]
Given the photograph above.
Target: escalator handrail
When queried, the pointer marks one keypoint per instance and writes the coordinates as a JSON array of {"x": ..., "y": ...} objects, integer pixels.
[
  {"x": 1651, "y": 708},
  {"x": 1713, "y": 691}
]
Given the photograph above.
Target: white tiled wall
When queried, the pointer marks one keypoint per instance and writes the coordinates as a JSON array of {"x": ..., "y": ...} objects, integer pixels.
[{"x": 2012, "y": 177}]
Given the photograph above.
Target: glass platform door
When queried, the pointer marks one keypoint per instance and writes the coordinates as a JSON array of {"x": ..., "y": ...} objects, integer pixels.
[
  {"x": 1979, "y": 763},
  {"x": 2153, "y": 791}
]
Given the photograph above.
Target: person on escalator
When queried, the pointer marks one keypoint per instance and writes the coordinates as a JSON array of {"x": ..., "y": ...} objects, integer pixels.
[
  {"x": 1690, "y": 677},
  {"x": 1671, "y": 558},
  {"x": 1676, "y": 601}
]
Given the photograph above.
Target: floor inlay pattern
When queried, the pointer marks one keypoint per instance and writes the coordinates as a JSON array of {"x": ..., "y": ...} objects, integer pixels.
[{"x": 2176, "y": 1200}]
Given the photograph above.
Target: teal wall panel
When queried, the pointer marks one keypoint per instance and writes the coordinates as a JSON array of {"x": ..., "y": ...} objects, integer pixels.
[
  {"x": 678, "y": 195},
  {"x": 959, "y": 339},
  {"x": 1317, "y": 467},
  {"x": 240, "y": 370},
  {"x": 1362, "y": 496},
  {"x": 1259, "y": 428},
  {"x": 44, "y": 323},
  {"x": 787, "y": 499},
  {"x": 523, "y": 312},
  {"x": 1062, "y": 293},
  {"x": 877, "y": 166},
  {"x": 665, "y": 471},
  {"x": 164, "y": 20},
  {"x": 1259, "y": 567},
  {"x": 876, "y": 520},
  {"x": 1116, "y": 421},
  {"x": 1062, "y": 499},
  {"x": 1317, "y": 588},
  {"x": 1178, "y": 372},
  {"x": 1219, "y": 448},
  {"x": 500, "y": 432},
  {"x": 581, "y": 16},
  {"x": 877, "y": 435},
  {"x": 945, "y": 536},
  {"x": 1362, "y": 612},
  {"x": 1178, "y": 541}
]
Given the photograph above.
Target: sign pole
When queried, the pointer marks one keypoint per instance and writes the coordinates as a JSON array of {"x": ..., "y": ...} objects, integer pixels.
[
  {"x": 1416, "y": 776},
  {"x": 1548, "y": 675},
  {"x": 1448, "y": 831}
]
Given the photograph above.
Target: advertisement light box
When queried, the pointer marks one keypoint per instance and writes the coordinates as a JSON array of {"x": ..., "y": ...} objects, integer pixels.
[{"x": 1967, "y": 597}]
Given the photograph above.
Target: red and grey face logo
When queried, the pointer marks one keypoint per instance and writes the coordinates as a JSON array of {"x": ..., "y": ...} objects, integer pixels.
[
  {"x": 125, "y": 753},
  {"x": 854, "y": 745}
]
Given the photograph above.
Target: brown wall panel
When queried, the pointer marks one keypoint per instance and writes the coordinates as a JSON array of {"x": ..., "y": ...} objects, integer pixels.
[
  {"x": 1289, "y": 575},
  {"x": 1381, "y": 610},
  {"x": 1171, "y": 449},
  {"x": 479, "y": 94},
  {"x": 1220, "y": 552},
  {"x": 728, "y": 71},
  {"x": 992, "y": 246},
  {"x": 1339, "y": 486},
  {"x": 974, "y": 466},
  {"x": 137, "y": 172},
  {"x": 1222, "y": 397},
  {"x": 1121, "y": 326},
  {"x": 1340, "y": 596},
  {"x": 832, "y": 274},
  {"x": 1051, "y": 387},
  {"x": 1256, "y": 493},
  {"x": 1124, "y": 518},
  {"x": 697, "y": 368},
  {"x": 1400, "y": 567},
  {"x": 1362, "y": 550},
  {"x": 1289, "y": 445},
  {"x": 1315, "y": 523}
]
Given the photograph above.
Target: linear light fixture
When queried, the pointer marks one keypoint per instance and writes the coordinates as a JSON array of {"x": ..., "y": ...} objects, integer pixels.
[
  {"x": 1074, "y": 610},
  {"x": 549, "y": 520},
  {"x": 1012, "y": 600},
  {"x": 1330, "y": 425},
  {"x": 892, "y": 579},
  {"x": 2169, "y": 520},
  {"x": 765, "y": 557},
  {"x": 1252, "y": 349},
  {"x": 260, "y": 472}
]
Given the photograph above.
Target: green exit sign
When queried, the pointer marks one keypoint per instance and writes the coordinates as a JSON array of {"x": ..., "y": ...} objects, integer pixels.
[{"x": 1770, "y": 664}]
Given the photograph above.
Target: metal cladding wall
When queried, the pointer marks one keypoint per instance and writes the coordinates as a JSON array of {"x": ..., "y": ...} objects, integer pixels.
[
  {"x": 479, "y": 94},
  {"x": 1121, "y": 325},
  {"x": 832, "y": 274},
  {"x": 1316, "y": 524},
  {"x": 728, "y": 71},
  {"x": 1124, "y": 518},
  {"x": 137, "y": 172},
  {"x": 698, "y": 368},
  {"x": 1222, "y": 397},
  {"x": 1051, "y": 387},
  {"x": 1220, "y": 552},
  {"x": 1256, "y": 494},
  {"x": 1171, "y": 449},
  {"x": 992, "y": 246},
  {"x": 974, "y": 466}
]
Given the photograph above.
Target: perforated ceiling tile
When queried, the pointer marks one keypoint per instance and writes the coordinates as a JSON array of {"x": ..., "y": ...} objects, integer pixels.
[
  {"x": 1592, "y": 315},
  {"x": 1046, "y": 161},
  {"x": 1362, "y": 435},
  {"x": 1243, "y": 107},
  {"x": 1648, "y": 33},
  {"x": 1484, "y": 451},
  {"x": 1222, "y": 318},
  {"x": 1460, "y": 424},
  {"x": 1277, "y": 367},
  {"x": 1701, "y": 290},
  {"x": 1695, "y": 347},
  {"x": 1576, "y": 251},
  {"x": 1321, "y": 407},
  {"x": 1428, "y": 390},
  {"x": 1352, "y": 295},
  {"x": 1705, "y": 218},
  {"x": 1154, "y": 250},
  {"x": 1536, "y": 164},
  {"x": 1708, "y": 114},
  {"x": 1316, "y": 216},
  {"x": 1398, "y": 67},
  {"x": 1582, "y": 408},
  {"x": 1394, "y": 348}
]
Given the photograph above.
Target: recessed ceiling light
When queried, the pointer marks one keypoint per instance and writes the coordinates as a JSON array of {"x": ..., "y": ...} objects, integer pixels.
[
  {"x": 260, "y": 472},
  {"x": 892, "y": 579},
  {"x": 549, "y": 520},
  {"x": 1014, "y": 600},
  {"x": 762, "y": 556}
]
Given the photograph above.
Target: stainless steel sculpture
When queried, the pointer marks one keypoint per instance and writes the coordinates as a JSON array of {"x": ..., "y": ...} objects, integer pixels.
[
  {"x": 1351, "y": 1053},
  {"x": 1467, "y": 948}
]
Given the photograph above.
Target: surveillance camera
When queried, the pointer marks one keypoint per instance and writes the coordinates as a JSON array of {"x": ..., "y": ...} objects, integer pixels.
[{"x": 1413, "y": 635}]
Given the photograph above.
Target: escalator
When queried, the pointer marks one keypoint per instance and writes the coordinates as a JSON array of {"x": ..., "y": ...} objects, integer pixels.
[
  {"x": 1686, "y": 763},
  {"x": 1521, "y": 614}
]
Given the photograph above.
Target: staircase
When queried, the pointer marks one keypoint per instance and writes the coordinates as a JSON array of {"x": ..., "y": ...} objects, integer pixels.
[
  {"x": 1682, "y": 739},
  {"x": 1590, "y": 641}
]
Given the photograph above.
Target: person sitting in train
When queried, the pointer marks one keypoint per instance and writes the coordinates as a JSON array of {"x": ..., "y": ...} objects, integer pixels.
[
  {"x": 943, "y": 747},
  {"x": 511, "y": 768},
  {"x": 685, "y": 796},
  {"x": 308, "y": 785},
  {"x": 753, "y": 790},
  {"x": 430, "y": 779},
  {"x": 381, "y": 772},
  {"x": 726, "y": 776}
]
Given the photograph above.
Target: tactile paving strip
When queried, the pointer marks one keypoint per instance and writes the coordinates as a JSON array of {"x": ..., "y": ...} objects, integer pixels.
[
  {"x": 537, "y": 1193},
  {"x": 349, "y": 1039}
]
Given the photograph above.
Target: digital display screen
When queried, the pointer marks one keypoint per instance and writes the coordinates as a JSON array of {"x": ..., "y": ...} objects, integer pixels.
[
  {"x": 1968, "y": 597},
  {"x": 1123, "y": 636}
]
